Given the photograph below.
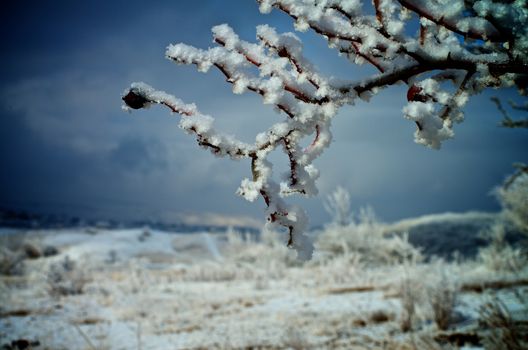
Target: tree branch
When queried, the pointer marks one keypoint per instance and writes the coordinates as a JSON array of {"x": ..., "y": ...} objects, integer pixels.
[{"x": 414, "y": 6}]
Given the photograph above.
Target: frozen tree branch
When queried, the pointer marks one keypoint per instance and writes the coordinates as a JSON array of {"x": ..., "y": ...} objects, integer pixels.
[
  {"x": 461, "y": 47},
  {"x": 507, "y": 121}
]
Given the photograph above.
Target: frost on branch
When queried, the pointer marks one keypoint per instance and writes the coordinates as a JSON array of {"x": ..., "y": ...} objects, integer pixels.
[{"x": 461, "y": 48}]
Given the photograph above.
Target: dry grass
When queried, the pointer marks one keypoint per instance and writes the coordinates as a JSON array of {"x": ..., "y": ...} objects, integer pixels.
[
  {"x": 410, "y": 296},
  {"x": 442, "y": 292},
  {"x": 496, "y": 284},
  {"x": 501, "y": 331}
]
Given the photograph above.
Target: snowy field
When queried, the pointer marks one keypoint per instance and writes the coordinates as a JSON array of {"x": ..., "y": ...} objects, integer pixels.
[{"x": 366, "y": 288}]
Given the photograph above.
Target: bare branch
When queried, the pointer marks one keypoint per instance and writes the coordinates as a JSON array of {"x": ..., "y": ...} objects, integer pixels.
[
  {"x": 417, "y": 7},
  {"x": 507, "y": 121}
]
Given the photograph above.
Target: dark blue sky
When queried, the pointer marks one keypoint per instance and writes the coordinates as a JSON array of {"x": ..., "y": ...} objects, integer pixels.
[{"x": 67, "y": 147}]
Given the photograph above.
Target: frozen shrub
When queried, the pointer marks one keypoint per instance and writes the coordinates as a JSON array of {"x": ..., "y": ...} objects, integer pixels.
[
  {"x": 499, "y": 255},
  {"x": 337, "y": 204},
  {"x": 461, "y": 48},
  {"x": 363, "y": 236},
  {"x": 64, "y": 278},
  {"x": 11, "y": 263},
  {"x": 513, "y": 196},
  {"x": 13, "y": 253},
  {"x": 428, "y": 293},
  {"x": 410, "y": 291},
  {"x": 342, "y": 269},
  {"x": 31, "y": 250},
  {"x": 369, "y": 241},
  {"x": 247, "y": 257},
  {"x": 237, "y": 241},
  {"x": 501, "y": 331},
  {"x": 268, "y": 252},
  {"x": 441, "y": 291}
]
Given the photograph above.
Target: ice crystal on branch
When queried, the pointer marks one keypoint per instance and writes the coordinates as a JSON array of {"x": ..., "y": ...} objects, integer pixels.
[{"x": 461, "y": 47}]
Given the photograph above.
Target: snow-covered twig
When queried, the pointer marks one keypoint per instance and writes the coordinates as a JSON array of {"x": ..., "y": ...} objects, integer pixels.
[{"x": 471, "y": 44}]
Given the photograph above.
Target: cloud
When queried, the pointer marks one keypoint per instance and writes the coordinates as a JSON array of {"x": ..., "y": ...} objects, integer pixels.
[
  {"x": 137, "y": 154},
  {"x": 67, "y": 146}
]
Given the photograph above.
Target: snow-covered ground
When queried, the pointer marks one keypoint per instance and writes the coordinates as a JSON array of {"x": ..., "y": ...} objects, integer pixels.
[{"x": 146, "y": 289}]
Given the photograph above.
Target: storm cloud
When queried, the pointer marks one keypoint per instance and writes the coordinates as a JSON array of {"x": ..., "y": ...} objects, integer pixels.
[{"x": 67, "y": 147}]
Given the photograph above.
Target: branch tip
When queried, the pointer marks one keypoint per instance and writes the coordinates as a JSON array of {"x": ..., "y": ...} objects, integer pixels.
[{"x": 134, "y": 100}]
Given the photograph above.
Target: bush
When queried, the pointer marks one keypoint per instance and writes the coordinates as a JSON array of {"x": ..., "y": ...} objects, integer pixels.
[
  {"x": 513, "y": 196},
  {"x": 499, "y": 255},
  {"x": 268, "y": 252},
  {"x": 362, "y": 235},
  {"x": 65, "y": 279},
  {"x": 442, "y": 291},
  {"x": 501, "y": 331},
  {"x": 11, "y": 263}
]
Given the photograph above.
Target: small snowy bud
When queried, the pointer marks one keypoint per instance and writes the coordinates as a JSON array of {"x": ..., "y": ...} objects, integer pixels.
[
  {"x": 413, "y": 94},
  {"x": 134, "y": 100}
]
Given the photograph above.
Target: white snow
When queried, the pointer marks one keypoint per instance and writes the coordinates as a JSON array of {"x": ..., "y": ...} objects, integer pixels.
[{"x": 152, "y": 290}]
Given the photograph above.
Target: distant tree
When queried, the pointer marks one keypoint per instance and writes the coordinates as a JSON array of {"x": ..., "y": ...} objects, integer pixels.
[{"x": 458, "y": 48}]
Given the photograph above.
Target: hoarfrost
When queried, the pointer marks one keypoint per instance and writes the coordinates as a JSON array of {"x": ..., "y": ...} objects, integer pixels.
[{"x": 470, "y": 45}]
